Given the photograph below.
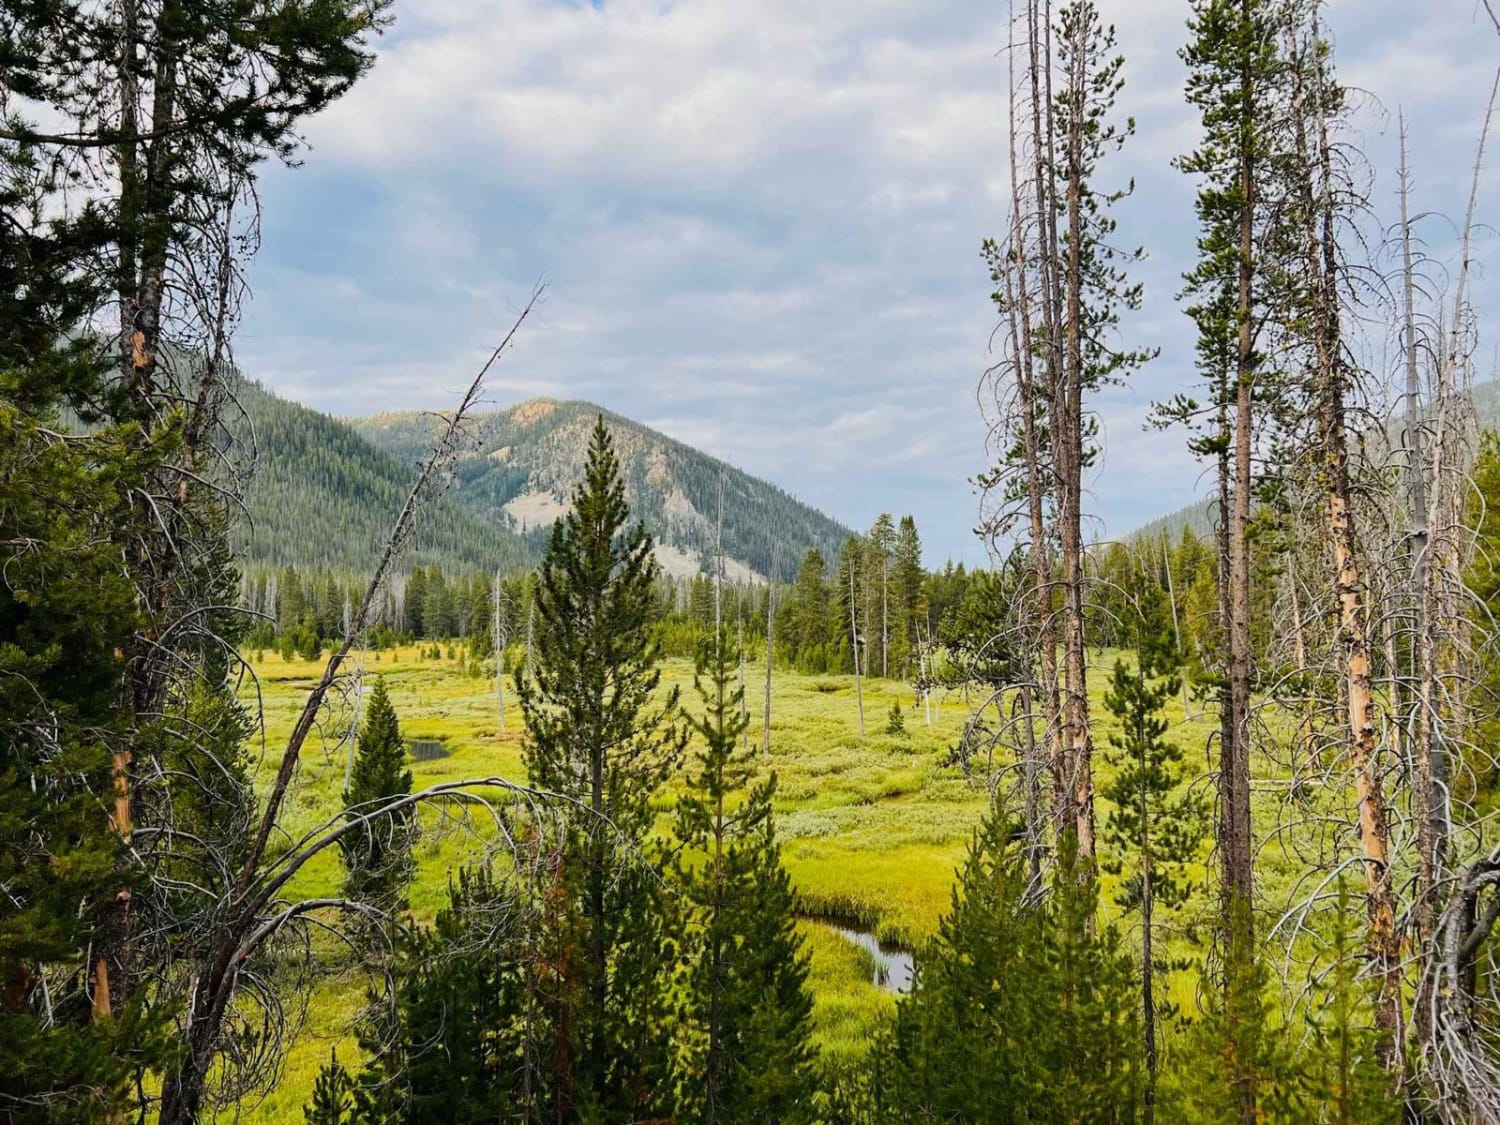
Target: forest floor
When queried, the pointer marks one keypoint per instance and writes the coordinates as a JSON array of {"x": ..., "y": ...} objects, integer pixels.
[{"x": 872, "y": 829}]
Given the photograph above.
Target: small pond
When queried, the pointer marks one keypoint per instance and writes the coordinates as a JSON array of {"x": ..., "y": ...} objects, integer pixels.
[
  {"x": 894, "y": 967},
  {"x": 426, "y": 749}
]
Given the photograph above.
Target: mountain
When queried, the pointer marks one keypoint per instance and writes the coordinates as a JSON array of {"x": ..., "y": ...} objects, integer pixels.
[
  {"x": 325, "y": 491},
  {"x": 524, "y": 462},
  {"x": 323, "y": 497}
]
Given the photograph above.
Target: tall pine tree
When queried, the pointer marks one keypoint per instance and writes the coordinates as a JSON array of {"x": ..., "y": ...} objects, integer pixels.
[
  {"x": 595, "y": 737},
  {"x": 1154, "y": 829}
]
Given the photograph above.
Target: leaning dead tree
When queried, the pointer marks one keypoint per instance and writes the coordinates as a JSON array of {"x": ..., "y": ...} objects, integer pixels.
[
  {"x": 262, "y": 906},
  {"x": 499, "y": 641},
  {"x": 1324, "y": 194},
  {"x": 1376, "y": 629}
]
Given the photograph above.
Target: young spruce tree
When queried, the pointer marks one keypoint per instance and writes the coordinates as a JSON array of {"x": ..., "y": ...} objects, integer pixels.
[
  {"x": 378, "y": 855},
  {"x": 455, "y": 1044},
  {"x": 594, "y": 736},
  {"x": 747, "y": 1007},
  {"x": 1022, "y": 1010},
  {"x": 1154, "y": 829}
]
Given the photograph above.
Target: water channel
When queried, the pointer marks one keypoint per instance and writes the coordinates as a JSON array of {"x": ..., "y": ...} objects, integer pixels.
[{"x": 894, "y": 967}]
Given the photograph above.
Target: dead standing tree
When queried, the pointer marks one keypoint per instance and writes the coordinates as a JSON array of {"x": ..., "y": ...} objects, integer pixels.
[
  {"x": 499, "y": 641},
  {"x": 1060, "y": 286},
  {"x": 1020, "y": 491},
  {"x": 1456, "y": 999},
  {"x": 1325, "y": 195}
]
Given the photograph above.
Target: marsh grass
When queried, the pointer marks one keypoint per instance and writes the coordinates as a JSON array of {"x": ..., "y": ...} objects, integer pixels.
[{"x": 872, "y": 830}]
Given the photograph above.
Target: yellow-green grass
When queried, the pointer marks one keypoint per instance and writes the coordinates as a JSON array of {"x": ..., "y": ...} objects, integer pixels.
[{"x": 872, "y": 828}]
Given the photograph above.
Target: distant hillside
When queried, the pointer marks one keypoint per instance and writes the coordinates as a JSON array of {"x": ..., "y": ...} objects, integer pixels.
[
  {"x": 1199, "y": 515},
  {"x": 326, "y": 490},
  {"x": 324, "y": 497},
  {"x": 529, "y": 458}
]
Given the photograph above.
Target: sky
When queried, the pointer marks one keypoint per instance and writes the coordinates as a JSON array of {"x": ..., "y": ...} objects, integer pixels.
[{"x": 760, "y": 227}]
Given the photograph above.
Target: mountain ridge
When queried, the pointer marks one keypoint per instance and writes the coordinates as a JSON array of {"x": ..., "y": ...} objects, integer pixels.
[
  {"x": 327, "y": 486},
  {"x": 524, "y": 460},
  {"x": 1199, "y": 515}
]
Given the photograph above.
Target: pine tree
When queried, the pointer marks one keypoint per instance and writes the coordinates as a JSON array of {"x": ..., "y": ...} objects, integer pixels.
[
  {"x": 1154, "y": 830},
  {"x": 1234, "y": 81},
  {"x": 66, "y": 612},
  {"x": 895, "y": 723},
  {"x": 333, "y": 1096},
  {"x": 594, "y": 737},
  {"x": 1021, "y": 1010},
  {"x": 907, "y": 577},
  {"x": 803, "y": 632},
  {"x": 416, "y": 603},
  {"x": 452, "y": 1042},
  {"x": 1234, "y": 1045},
  {"x": 1346, "y": 1083},
  {"x": 879, "y": 544},
  {"x": 377, "y": 855},
  {"x": 747, "y": 1005}
]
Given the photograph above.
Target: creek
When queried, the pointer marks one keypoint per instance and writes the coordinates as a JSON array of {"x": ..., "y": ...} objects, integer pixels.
[{"x": 894, "y": 967}]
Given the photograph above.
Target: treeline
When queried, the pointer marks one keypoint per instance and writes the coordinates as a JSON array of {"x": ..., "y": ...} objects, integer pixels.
[
  {"x": 904, "y": 621},
  {"x": 305, "y": 612},
  {"x": 319, "y": 495}
]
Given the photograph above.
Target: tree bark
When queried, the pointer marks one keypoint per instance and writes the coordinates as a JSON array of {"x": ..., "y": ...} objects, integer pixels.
[
  {"x": 765, "y": 748},
  {"x": 1350, "y": 587}
]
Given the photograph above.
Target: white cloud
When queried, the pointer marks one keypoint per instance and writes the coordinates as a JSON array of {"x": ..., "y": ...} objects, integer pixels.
[{"x": 761, "y": 222}]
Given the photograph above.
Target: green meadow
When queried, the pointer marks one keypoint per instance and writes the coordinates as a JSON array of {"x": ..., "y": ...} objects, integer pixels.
[{"x": 872, "y": 829}]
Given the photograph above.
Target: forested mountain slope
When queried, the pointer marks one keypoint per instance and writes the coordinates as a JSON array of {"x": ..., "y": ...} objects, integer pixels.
[
  {"x": 525, "y": 461},
  {"x": 326, "y": 490},
  {"x": 324, "y": 497}
]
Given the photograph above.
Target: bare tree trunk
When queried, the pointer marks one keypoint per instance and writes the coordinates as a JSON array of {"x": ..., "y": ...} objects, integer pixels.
[
  {"x": 719, "y": 566},
  {"x": 1350, "y": 586},
  {"x": 1429, "y": 825},
  {"x": 1148, "y": 968},
  {"x": 530, "y": 636},
  {"x": 885, "y": 621},
  {"x": 1039, "y": 17},
  {"x": 1070, "y": 484},
  {"x": 1020, "y": 302},
  {"x": 1300, "y": 660},
  {"x": 744, "y": 699},
  {"x": 1166, "y": 559},
  {"x": 859, "y": 695},
  {"x": 498, "y": 641},
  {"x": 765, "y": 748},
  {"x": 1031, "y": 793},
  {"x": 926, "y": 661}
]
